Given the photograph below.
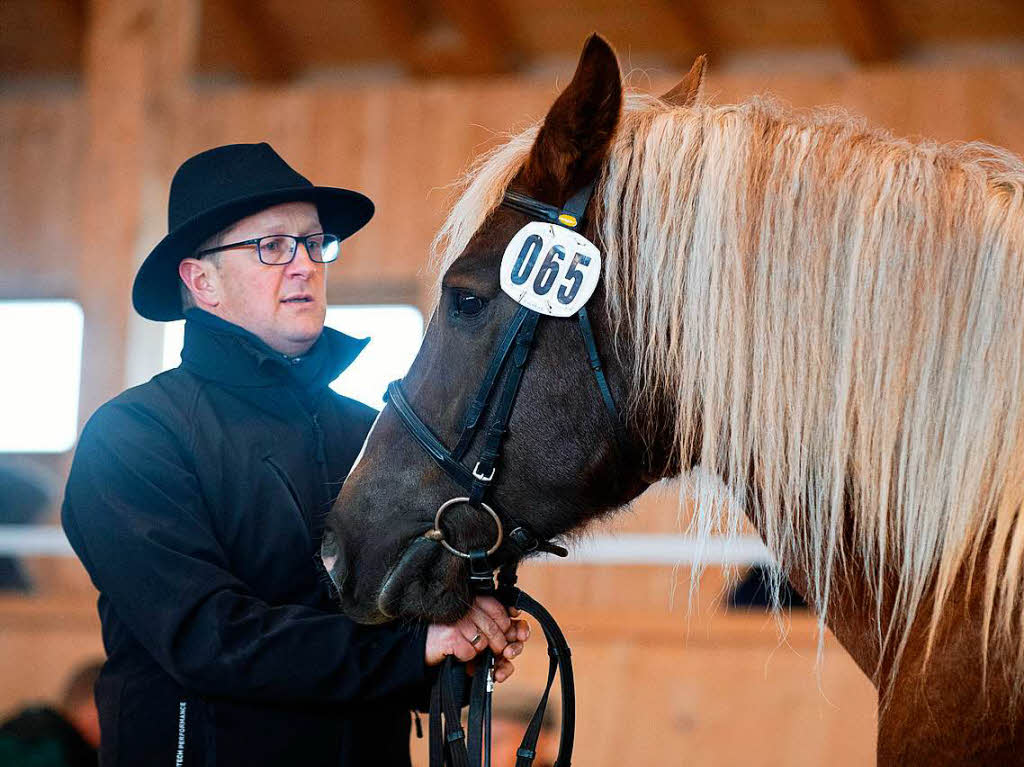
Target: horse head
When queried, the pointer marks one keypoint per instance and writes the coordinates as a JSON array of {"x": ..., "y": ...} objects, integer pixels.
[{"x": 561, "y": 462}]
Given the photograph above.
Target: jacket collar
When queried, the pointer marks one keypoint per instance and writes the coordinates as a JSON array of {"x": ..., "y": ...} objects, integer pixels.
[{"x": 221, "y": 351}]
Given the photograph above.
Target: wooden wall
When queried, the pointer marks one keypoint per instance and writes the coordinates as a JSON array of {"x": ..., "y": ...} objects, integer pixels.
[
  {"x": 402, "y": 145},
  {"x": 703, "y": 688}
]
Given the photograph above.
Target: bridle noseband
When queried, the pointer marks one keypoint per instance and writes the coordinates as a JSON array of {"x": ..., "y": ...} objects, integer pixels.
[{"x": 497, "y": 397}]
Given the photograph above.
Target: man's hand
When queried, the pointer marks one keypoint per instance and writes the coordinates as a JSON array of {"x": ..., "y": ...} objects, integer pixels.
[{"x": 487, "y": 624}]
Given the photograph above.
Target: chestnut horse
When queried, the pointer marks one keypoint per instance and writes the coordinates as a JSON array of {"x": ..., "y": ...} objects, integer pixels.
[{"x": 828, "y": 318}]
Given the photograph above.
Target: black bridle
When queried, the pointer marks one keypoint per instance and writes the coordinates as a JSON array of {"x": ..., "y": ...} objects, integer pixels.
[{"x": 510, "y": 359}]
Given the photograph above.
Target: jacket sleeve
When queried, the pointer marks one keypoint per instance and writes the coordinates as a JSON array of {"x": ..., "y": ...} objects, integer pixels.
[{"x": 134, "y": 514}]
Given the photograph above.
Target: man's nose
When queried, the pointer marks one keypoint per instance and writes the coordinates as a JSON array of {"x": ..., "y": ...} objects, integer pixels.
[{"x": 301, "y": 265}]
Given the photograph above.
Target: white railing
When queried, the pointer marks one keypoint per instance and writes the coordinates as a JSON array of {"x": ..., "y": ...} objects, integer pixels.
[
  {"x": 666, "y": 549},
  {"x": 34, "y": 540},
  {"x": 607, "y": 549}
]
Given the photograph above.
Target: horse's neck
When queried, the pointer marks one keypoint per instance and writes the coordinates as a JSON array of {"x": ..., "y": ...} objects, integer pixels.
[{"x": 937, "y": 708}]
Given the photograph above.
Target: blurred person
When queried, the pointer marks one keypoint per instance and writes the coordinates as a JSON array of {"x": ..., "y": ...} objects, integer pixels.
[
  {"x": 67, "y": 735},
  {"x": 196, "y": 501},
  {"x": 26, "y": 495}
]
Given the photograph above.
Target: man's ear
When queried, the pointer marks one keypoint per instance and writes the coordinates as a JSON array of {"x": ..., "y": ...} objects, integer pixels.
[{"x": 202, "y": 280}]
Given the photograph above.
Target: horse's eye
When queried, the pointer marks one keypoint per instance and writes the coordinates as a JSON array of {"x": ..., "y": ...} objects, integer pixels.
[{"x": 467, "y": 304}]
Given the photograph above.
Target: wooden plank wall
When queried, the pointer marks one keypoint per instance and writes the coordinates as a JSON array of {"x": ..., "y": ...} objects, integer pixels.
[{"x": 675, "y": 686}]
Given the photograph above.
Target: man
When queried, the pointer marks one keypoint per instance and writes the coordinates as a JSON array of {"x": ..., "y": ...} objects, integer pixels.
[{"x": 196, "y": 501}]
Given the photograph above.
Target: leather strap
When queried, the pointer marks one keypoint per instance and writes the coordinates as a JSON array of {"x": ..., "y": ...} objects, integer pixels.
[
  {"x": 560, "y": 657},
  {"x": 447, "y": 738},
  {"x": 481, "y": 573},
  {"x": 575, "y": 207},
  {"x": 587, "y": 331},
  {"x": 479, "y": 720},
  {"x": 479, "y": 404},
  {"x": 426, "y": 438},
  {"x": 449, "y": 745},
  {"x": 483, "y": 474}
]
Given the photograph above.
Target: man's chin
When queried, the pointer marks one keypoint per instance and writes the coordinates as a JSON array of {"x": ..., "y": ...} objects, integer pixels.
[{"x": 301, "y": 339}]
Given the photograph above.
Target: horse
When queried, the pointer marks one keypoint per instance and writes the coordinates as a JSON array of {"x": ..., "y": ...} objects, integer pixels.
[{"x": 827, "y": 318}]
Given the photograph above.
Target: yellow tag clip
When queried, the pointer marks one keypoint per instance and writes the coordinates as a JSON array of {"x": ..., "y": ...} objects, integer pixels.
[{"x": 567, "y": 220}]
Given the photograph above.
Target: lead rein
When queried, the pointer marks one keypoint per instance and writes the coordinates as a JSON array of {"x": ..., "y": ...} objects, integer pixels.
[{"x": 455, "y": 751}]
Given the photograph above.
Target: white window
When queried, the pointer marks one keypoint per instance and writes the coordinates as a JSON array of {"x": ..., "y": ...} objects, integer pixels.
[
  {"x": 395, "y": 331},
  {"x": 41, "y": 349}
]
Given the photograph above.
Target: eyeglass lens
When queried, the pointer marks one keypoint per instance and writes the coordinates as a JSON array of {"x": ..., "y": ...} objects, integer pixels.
[{"x": 280, "y": 248}]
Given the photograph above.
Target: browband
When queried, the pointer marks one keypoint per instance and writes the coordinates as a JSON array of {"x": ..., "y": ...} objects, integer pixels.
[{"x": 570, "y": 215}]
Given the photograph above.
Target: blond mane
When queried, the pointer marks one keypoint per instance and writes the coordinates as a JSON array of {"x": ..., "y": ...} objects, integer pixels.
[{"x": 839, "y": 315}]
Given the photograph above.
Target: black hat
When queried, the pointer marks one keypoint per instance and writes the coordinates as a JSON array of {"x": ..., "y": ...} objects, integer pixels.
[{"x": 218, "y": 187}]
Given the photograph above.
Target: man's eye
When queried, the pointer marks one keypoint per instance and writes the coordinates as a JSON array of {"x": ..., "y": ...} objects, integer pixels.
[{"x": 467, "y": 304}]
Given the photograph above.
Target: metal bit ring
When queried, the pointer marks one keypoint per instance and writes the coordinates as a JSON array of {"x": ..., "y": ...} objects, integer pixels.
[{"x": 437, "y": 535}]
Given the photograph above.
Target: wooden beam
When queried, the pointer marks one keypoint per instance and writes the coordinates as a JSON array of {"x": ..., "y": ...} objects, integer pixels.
[
  {"x": 42, "y": 38},
  {"x": 252, "y": 46},
  {"x": 138, "y": 56},
  {"x": 485, "y": 44},
  {"x": 401, "y": 27},
  {"x": 866, "y": 29},
  {"x": 448, "y": 37},
  {"x": 694, "y": 31}
]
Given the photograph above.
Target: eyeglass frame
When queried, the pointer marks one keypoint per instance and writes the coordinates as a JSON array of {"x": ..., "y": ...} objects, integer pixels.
[{"x": 304, "y": 239}]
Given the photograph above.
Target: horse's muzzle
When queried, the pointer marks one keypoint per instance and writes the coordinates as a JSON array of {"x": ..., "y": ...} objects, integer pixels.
[{"x": 416, "y": 558}]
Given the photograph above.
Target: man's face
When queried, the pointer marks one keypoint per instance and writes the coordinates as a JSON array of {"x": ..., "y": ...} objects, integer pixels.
[{"x": 284, "y": 305}]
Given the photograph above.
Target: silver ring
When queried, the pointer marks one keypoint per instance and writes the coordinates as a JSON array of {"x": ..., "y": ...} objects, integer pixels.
[
  {"x": 476, "y": 639},
  {"x": 454, "y": 501}
]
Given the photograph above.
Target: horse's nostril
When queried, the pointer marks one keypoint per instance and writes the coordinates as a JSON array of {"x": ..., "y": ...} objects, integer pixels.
[{"x": 329, "y": 551}]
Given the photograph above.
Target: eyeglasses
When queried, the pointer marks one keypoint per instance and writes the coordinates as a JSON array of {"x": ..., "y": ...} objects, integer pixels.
[{"x": 280, "y": 249}]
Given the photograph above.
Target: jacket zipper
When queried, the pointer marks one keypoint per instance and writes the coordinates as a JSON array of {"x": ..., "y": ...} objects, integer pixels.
[
  {"x": 321, "y": 459},
  {"x": 286, "y": 481},
  {"x": 321, "y": 453},
  {"x": 318, "y": 433}
]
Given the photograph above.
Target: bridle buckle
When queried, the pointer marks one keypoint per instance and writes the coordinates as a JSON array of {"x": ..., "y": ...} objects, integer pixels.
[{"x": 479, "y": 475}]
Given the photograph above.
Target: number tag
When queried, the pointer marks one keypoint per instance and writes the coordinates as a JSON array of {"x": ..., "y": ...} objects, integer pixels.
[{"x": 550, "y": 269}]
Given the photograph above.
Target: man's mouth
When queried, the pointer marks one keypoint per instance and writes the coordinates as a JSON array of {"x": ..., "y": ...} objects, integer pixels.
[{"x": 297, "y": 300}]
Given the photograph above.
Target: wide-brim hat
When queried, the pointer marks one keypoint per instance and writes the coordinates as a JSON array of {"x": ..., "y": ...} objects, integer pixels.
[{"x": 218, "y": 187}]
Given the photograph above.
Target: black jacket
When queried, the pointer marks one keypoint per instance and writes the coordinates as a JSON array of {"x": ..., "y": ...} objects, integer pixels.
[{"x": 196, "y": 503}]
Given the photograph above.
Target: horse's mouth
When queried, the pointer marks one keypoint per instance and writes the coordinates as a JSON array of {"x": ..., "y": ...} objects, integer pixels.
[
  {"x": 408, "y": 592},
  {"x": 368, "y": 611},
  {"x": 417, "y": 557},
  {"x": 424, "y": 584}
]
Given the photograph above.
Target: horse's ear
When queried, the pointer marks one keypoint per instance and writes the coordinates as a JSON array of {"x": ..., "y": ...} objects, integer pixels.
[
  {"x": 687, "y": 91},
  {"x": 573, "y": 141}
]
